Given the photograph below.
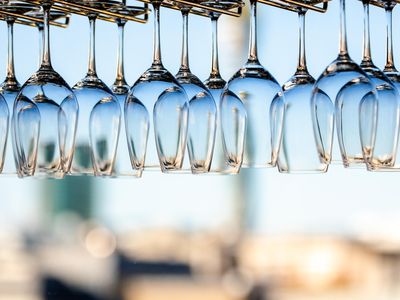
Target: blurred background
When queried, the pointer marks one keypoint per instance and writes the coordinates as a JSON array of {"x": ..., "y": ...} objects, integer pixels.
[{"x": 260, "y": 235}]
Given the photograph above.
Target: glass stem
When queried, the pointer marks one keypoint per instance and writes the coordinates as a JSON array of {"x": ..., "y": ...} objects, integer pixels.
[
  {"x": 46, "y": 62},
  {"x": 215, "y": 61},
  {"x": 389, "y": 67},
  {"x": 253, "y": 58},
  {"x": 367, "y": 43},
  {"x": 92, "y": 46},
  {"x": 120, "y": 59},
  {"x": 156, "y": 42},
  {"x": 343, "y": 34},
  {"x": 41, "y": 41},
  {"x": 185, "y": 41},
  {"x": 302, "y": 65},
  {"x": 10, "y": 62}
]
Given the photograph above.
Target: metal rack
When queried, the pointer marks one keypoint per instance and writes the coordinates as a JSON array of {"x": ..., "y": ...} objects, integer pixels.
[
  {"x": 29, "y": 17},
  {"x": 105, "y": 10},
  {"x": 320, "y": 6},
  {"x": 384, "y": 3},
  {"x": 112, "y": 11},
  {"x": 202, "y": 8}
]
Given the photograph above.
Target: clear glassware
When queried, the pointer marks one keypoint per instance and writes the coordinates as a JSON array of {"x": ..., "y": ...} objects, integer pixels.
[
  {"x": 340, "y": 72},
  {"x": 299, "y": 152},
  {"x": 10, "y": 87},
  {"x": 157, "y": 98},
  {"x": 233, "y": 122},
  {"x": 225, "y": 160},
  {"x": 120, "y": 88},
  {"x": 390, "y": 69},
  {"x": 386, "y": 133},
  {"x": 44, "y": 118},
  {"x": 99, "y": 115},
  {"x": 202, "y": 108},
  {"x": 257, "y": 89},
  {"x": 4, "y": 128}
]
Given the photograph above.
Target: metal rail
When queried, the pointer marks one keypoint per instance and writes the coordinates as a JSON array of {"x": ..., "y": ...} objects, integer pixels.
[{"x": 320, "y": 6}]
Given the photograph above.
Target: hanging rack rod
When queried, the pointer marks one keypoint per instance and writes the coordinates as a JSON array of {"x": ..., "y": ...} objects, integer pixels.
[
  {"x": 202, "y": 9},
  {"x": 28, "y": 20},
  {"x": 110, "y": 13},
  {"x": 295, "y": 5}
]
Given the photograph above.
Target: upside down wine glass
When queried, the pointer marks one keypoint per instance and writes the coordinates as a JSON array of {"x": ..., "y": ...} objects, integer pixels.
[
  {"x": 157, "y": 98},
  {"x": 8, "y": 90},
  {"x": 386, "y": 131},
  {"x": 10, "y": 87},
  {"x": 231, "y": 114},
  {"x": 390, "y": 69},
  {"x": 347, "y": 86},
  {"x": 298, "y": 153},
  {"x": 202, "y": 108},
  {"x": 44, "y": 118},
  {"x": 262, "y": 97},
  {"x": 120, "y": 88},
  {"x": 99, "y": 115}
]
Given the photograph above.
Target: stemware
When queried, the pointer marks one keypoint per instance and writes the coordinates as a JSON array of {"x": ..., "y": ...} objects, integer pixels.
[
  {"x": 99, "y": 116},
  {"x": 387, "y": 125},
  {"x": 120, "y": 88},
  {"x": 157, "y": 96},
  {"x": 231, "y": 114},
  {"x": 390, "y": 69},
  {"x": 202, "y": 108},
  {"x": 299, "y": 152},
  {"x": 44, "y": 118},
  {"x": 341, "y": 71},
  {"x": 262, "y": 97},
  {"x": 10, "y": 86}
]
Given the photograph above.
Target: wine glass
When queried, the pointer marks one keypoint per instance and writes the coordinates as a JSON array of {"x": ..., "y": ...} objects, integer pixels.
[
  {"x": 44, "y": 118},
  {"x": 231, "y": 114},
  {"x": 341, "y": 71},
  {"x": 120, "y": 88},
  {"x": 10, "y": 86},
  {"x": 390, "y": 69},
  {"x": 202, "y": 108},
  {"x": 299, "y": 152},
  {"x": 157, "y": 96},
  {"x": 262, "y": 97},
  {"x": 387, "y": 128},
  {"x": 99, "y": 115}
]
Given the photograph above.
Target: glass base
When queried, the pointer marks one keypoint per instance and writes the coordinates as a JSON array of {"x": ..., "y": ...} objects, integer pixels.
[
  {"x": 258, "y": 166},
  {"x": 300, "y": 172}
]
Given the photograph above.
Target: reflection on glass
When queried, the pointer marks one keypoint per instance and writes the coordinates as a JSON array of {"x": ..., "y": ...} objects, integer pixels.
[{"x": 233, "y": 120}]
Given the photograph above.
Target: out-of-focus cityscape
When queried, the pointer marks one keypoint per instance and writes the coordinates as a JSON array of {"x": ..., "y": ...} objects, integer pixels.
[{"x": 260, "y": 235}]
